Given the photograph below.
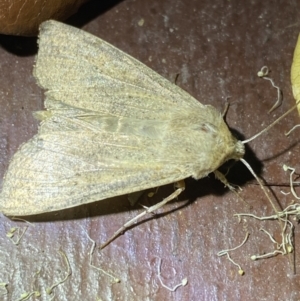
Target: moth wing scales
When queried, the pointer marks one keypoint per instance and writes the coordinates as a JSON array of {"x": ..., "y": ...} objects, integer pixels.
[
  {"x": 45, "y": 175},
  {"x": 111, "y": 81},
  {"x": 83, "y": 151}
]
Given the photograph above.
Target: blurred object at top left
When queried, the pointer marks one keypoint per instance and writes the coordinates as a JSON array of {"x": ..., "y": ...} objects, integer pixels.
[{"x": 23, "y": 17}]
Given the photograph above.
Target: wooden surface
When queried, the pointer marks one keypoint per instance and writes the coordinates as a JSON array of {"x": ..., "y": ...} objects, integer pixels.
[{"x": 217, "y": 48}]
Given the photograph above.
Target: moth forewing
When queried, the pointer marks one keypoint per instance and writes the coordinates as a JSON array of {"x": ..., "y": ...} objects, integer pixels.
[{"x": 112, "y": 126}]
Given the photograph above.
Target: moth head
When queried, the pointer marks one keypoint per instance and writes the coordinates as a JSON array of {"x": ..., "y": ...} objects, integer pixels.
[
  {"x": 239, "y": 150},
  {"x": 232, "y": 148}
]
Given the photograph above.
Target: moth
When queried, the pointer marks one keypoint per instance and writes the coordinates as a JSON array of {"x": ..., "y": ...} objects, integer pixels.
[{"x": 112, "y": 126}]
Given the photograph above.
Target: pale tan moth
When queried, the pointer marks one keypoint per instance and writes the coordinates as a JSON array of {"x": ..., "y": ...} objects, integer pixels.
[{"x": 112, "y": 126}]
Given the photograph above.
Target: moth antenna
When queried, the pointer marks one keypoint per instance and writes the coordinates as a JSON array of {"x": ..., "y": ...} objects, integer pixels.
[
  {"x": 226, "y": 108},
  {"x": 260, "y": 184},
  {"x": 272, "y": 124}
]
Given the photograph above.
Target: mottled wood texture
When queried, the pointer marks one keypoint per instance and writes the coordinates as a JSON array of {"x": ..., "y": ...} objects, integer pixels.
[{"x": 217, "y": 49}]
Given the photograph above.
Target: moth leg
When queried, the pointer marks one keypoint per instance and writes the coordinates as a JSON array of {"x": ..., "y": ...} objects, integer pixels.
[
  {"x": 221, "y": 177},
  {"x": 179, "y": 184},
  {"x": 180, "y": 187}
]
